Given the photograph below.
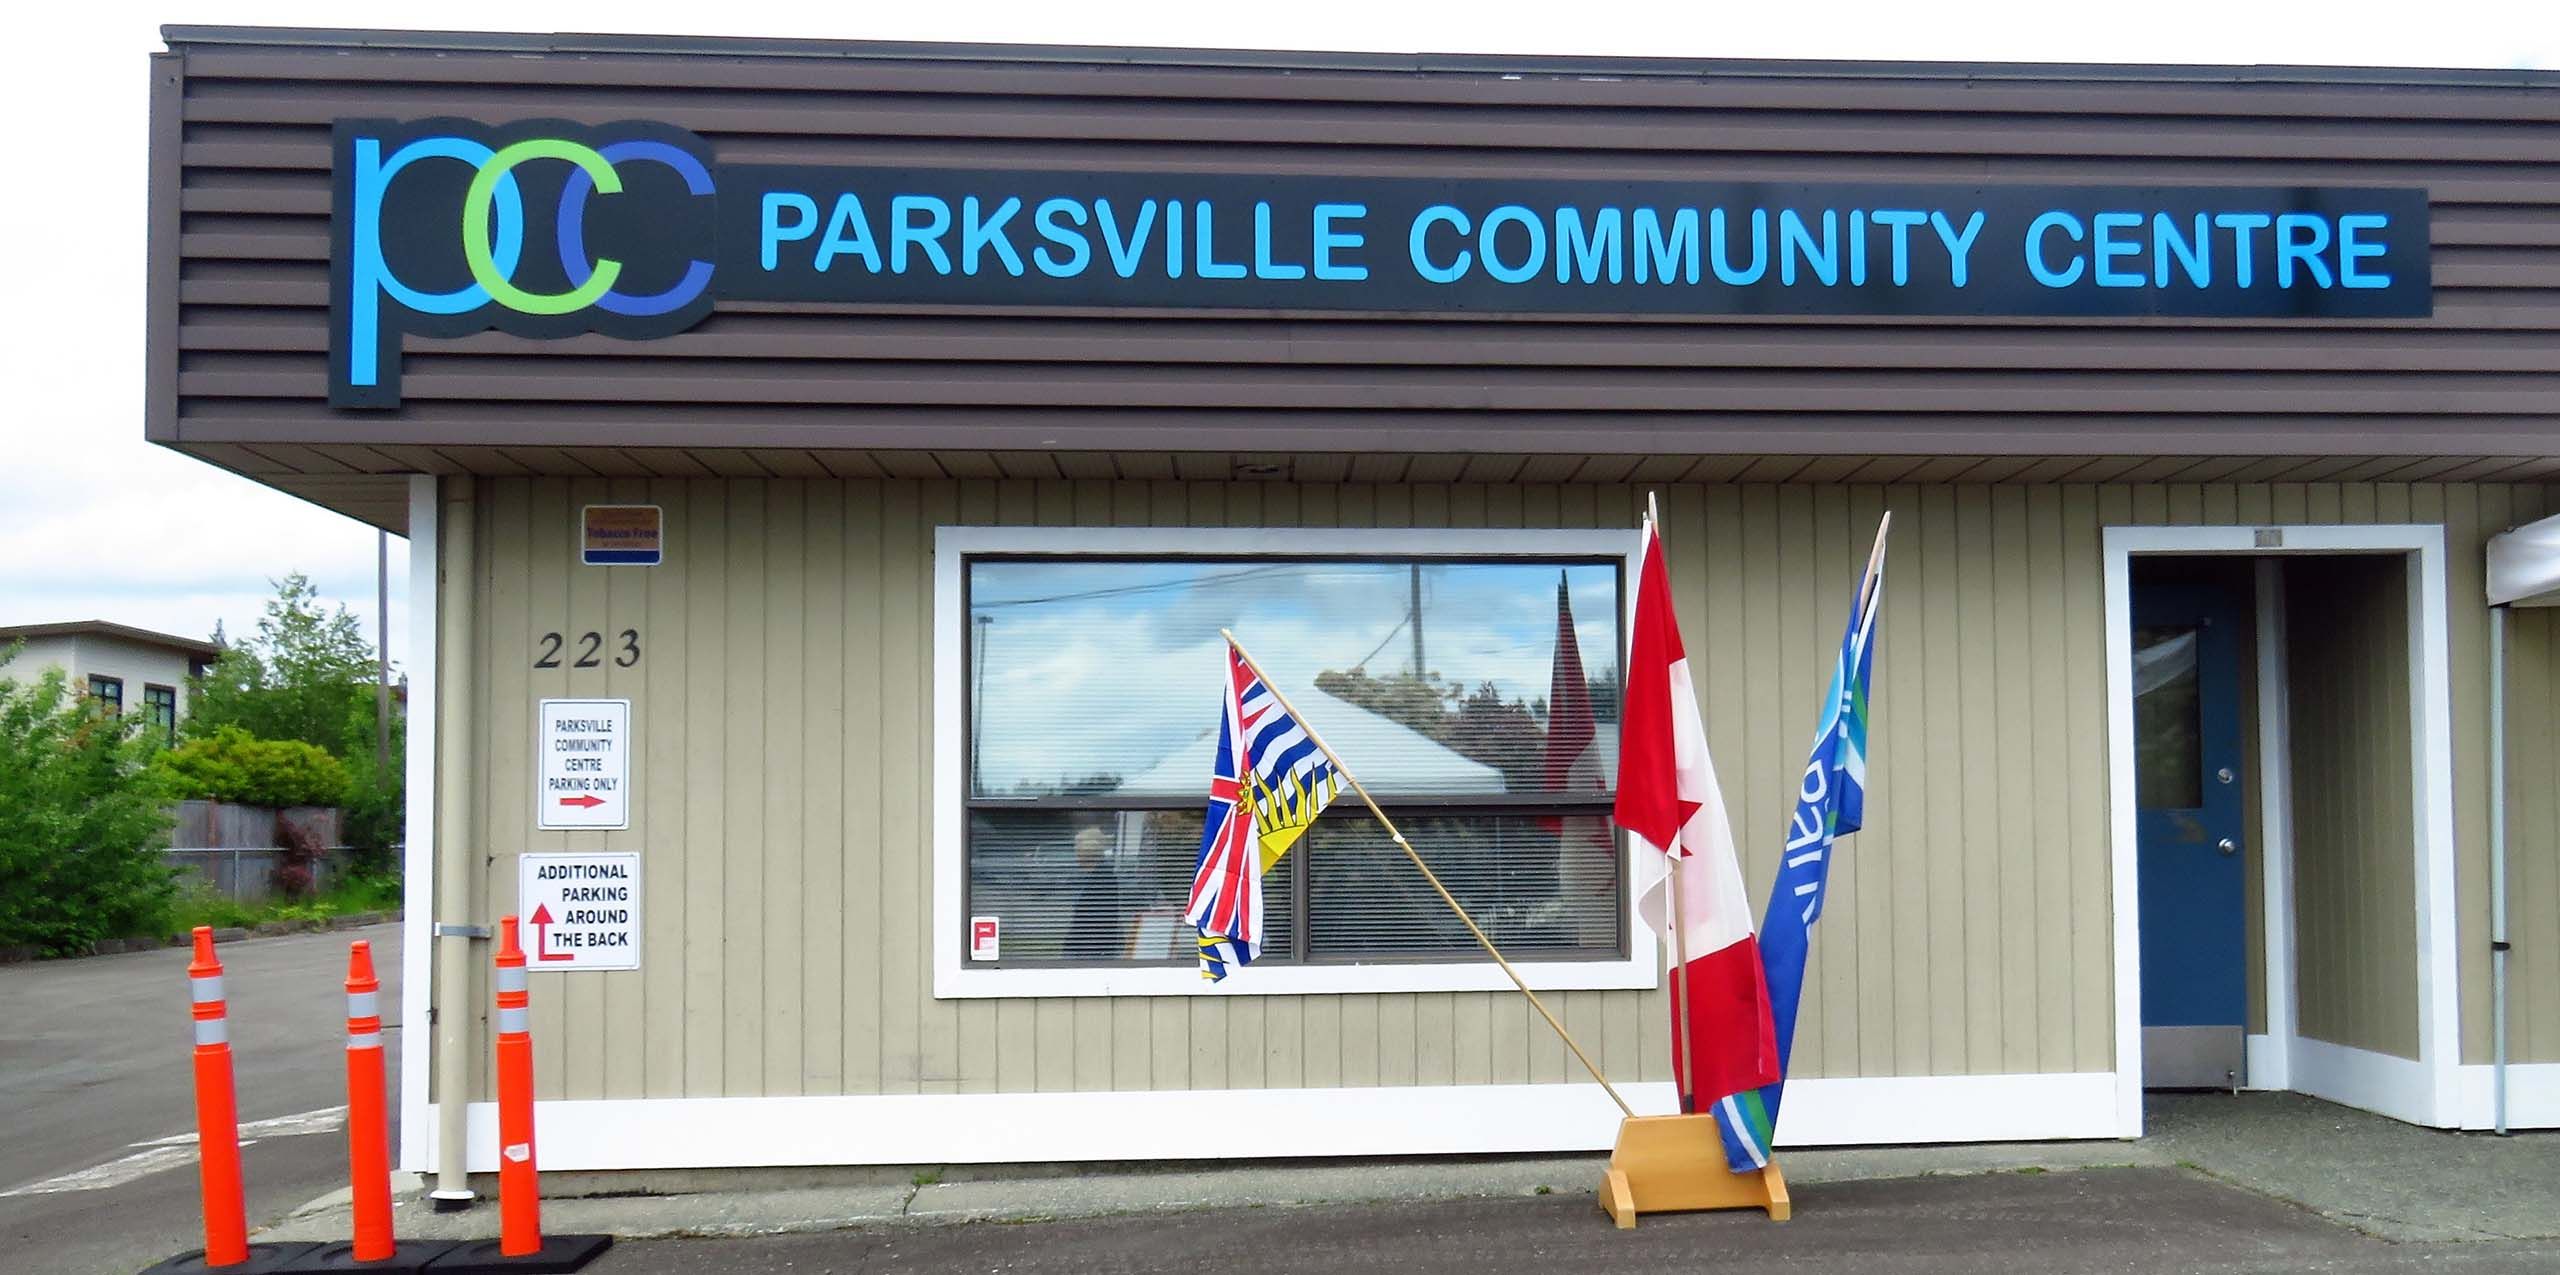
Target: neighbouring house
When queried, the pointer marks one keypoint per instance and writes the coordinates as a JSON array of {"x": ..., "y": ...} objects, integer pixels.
[{"x": 125, "y": 668}]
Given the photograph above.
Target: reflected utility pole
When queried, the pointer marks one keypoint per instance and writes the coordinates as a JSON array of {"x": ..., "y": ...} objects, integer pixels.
[
  {"x": 978, "y": 696},
  {"x": 1421, "y": 671}
]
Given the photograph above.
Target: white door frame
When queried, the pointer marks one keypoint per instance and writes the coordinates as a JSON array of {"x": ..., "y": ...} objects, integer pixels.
[{"x": 2426, "y": 1091}]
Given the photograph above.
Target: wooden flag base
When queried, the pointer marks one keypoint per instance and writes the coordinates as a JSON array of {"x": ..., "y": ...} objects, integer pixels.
[{"x": 1674, "y": 1164}]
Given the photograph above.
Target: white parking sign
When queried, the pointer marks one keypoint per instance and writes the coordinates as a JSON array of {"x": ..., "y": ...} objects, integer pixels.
[
  {"x": 583, "y": 768},
  {"x": 579, "y": 911}
]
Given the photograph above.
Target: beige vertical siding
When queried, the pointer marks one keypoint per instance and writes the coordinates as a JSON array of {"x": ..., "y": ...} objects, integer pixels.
[
  {"x": 2533, "y": 779},
  {"x": 2355, "y": 889},
  {"x": 2533, "y": 842},
  {"x": 784, "y": 720}
]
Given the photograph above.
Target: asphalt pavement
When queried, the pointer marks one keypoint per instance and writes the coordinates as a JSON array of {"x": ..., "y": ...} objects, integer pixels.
[
  {"x": 2133, "y": 1221},
  {"x": 94, "y": 1069}
]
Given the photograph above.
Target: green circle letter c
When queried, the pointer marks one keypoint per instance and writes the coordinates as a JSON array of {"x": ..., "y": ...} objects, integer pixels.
[{"x": 475, "y": 228}]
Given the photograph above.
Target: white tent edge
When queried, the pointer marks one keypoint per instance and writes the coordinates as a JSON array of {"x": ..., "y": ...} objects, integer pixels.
[{"x": 2524, "y": 565}]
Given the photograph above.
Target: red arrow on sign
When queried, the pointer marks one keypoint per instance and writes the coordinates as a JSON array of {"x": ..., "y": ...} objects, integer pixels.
[
  {"x": 589, "y": 803},
  {"x": 542, "y": 933}
]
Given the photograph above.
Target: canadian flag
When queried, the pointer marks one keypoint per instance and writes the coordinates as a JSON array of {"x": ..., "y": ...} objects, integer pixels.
[{"x": 1672, "y": 809}]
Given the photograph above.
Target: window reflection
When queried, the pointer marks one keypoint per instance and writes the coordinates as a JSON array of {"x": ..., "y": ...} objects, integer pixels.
[
  {"x": 1095, "y": 677},
  {"x": 1477, "y": 698},
  {"x": 2168, "y": 731}
]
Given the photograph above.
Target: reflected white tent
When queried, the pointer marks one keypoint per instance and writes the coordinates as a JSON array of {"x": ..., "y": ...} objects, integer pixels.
[
  {"x": 1387, "y": 756},
  {"x": 2524, "y": 571}
]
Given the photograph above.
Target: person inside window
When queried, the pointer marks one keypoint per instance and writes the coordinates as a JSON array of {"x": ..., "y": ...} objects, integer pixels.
[{"x": 1098, "y": 927}]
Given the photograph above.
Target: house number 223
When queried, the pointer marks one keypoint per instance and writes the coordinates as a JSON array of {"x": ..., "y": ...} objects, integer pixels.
[{"x": 590, "y": 650}]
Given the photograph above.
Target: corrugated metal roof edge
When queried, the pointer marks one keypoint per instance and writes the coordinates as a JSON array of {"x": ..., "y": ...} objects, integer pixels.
[{"x": 1414, "y": 63}]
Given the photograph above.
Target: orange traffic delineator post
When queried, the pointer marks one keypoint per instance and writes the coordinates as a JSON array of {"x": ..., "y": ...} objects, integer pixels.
[
  {"x": 368, "y": 1129},
  {"x": 521, "y": 1245},
  {"x": 371, "y": 1246},
  {"x": 226, "y": 1201},
  {"x": 519, "y": 1183}
]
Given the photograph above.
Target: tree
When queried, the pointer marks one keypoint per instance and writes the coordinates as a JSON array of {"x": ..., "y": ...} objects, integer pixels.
[
  {"x": 307, "y": 674},
  {"x": 81, "y": 820}
]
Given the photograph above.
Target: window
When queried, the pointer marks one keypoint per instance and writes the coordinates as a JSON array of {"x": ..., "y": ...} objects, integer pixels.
[
  {"x": 108, "y": 692},
  {"x": 1086, "y": 697},
  {"x": 2168, "y": 731},
  {"x": 162, "y": 703}
]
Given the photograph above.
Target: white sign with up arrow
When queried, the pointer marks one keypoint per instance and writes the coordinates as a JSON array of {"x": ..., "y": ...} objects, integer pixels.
[
  {"x": 582, "y": 770},
  {"x": 579, "y": 911}
]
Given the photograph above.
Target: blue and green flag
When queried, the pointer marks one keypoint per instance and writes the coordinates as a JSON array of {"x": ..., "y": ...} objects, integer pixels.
[{"x": 1831, "y": 802}]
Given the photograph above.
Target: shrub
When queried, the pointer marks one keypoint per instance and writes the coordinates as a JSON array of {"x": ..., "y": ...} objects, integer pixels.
[
  {"x": 233, "y": 765},
  {"x": 375, "y": 809},
  {"x": 81, "y": 821}
]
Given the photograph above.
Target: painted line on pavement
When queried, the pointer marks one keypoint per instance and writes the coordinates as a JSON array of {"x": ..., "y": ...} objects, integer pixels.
[
  {"x": 325, "y": 1120},
  {"x": 160, "y": 1154},
  {"x": 113, "y": 1173}
]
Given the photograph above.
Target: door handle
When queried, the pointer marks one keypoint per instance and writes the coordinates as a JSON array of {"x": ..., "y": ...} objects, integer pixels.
[{"x": 2227, "y": 846}]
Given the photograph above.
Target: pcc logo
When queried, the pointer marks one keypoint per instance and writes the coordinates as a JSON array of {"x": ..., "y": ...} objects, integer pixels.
[{"x": 541, "y": 229}]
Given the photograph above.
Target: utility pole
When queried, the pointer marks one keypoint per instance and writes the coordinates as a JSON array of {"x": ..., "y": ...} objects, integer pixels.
[{"x": 382, "y": 657}]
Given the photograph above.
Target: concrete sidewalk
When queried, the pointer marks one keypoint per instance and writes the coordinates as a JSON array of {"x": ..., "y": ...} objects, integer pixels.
[
  {"x": 824, "y": 1200},
  {"x": 2092, "y": 1222},
  {"x": 2373, "y": 1175}
]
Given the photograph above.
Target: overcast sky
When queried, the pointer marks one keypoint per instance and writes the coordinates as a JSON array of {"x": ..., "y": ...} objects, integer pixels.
[{"x": 94, "y": 524}]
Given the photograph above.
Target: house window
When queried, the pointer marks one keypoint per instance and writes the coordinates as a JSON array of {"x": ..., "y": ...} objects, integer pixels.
[
  {"x": 1475, "y": 694},
  {"x": 108, "y": 692},
  {"x": 162, "y": 703}
]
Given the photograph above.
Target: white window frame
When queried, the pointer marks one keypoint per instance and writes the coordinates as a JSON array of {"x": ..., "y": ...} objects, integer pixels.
[
  {"x": 2428, "y": 1089},
  {"x": 953, "y": 976}
]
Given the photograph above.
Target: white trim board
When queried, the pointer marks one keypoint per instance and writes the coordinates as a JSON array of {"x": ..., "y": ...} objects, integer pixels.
[
  {"x": 2426, "y": 1091},
  {"x": 954, "y": 977},
  {"x": 676, "y": 1133},
  {"x": 2270, "y": 1057},
  {"x": 2533, "y": 1096},
  {"x": 2384, "y": 1084},
  {"x": 418, "y": 863}
]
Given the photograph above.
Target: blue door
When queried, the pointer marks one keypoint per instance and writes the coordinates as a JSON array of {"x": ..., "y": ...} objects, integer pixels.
[{"x": 2187, "y": 788}]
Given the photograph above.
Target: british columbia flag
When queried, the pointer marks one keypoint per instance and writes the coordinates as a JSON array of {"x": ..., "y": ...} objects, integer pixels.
[{"x": 1268, "y": 780}]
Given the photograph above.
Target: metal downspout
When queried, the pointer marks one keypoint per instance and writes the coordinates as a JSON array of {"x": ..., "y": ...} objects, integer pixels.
[
  {"x": 2498, "y": 867},
  {"x": 457, "y": 841}
]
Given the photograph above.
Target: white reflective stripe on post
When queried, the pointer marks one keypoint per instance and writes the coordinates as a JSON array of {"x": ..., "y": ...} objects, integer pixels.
[
  {"x": 510, "y": 978},
  {"x": 207, "y": 988},
  {"x": 213, "y": 1031},
  {"x": 515, "y": 1020},
  {"x": 364, "y": 1040},
  {"x": 364, "y": 1004}
]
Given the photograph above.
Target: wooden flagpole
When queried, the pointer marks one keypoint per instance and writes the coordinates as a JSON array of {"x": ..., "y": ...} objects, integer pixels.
[
  {"x": 1427, "y": 875},
  {"x": 1681, "y": 1022}
]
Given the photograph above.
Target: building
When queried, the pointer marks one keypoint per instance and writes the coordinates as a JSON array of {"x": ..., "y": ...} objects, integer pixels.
[
  {"x": 960, "y": 394},
  {"x": 121, "y": 667}
]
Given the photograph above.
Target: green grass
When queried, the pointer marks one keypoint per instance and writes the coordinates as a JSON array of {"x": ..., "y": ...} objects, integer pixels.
[{"x": 354, "y": 891}]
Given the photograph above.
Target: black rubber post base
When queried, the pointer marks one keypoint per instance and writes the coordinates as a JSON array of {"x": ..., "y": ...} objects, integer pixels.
[
  {"x": 331, "y": 1259},
  {"x": 559, "y": 1255},
  {"x": 452, "y": 1203},
  {"x": 264, "y": 1259}
]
